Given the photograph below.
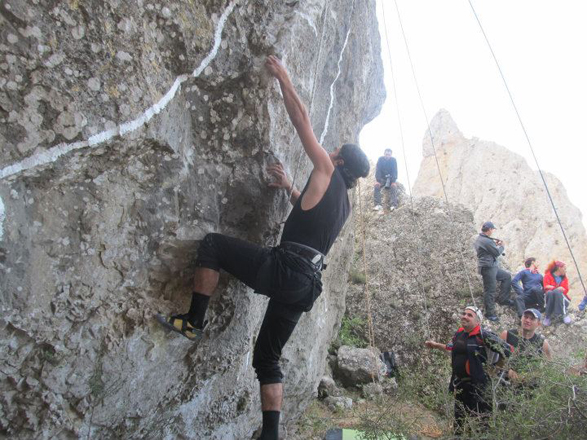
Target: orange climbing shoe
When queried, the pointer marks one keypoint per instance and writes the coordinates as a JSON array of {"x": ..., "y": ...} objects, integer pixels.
[{"x": 181, "y": 325}]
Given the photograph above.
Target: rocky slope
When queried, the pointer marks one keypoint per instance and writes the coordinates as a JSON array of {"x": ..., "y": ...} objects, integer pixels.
[
  {"x": 421, "y": 273},
  {"x": 129, "y": 130},
  {"x": 499, "y": 185}
]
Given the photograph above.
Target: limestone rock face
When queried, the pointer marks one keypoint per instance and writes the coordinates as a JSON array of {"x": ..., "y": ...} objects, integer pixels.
[
  {"x": 129, "y": 130},
  {"x": 499, "y": 185}
]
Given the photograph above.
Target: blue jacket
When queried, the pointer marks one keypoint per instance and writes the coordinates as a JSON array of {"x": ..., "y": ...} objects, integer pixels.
[
  {"x": 529, "y": 281},
  {"x": 384, "y": 167}
]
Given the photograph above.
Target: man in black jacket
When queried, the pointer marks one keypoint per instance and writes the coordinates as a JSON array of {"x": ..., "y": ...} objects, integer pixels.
[
  {"x": 386, "y": 176},
  {"x": 469, "y": 380},
  {"x": 488, "y": 249}
]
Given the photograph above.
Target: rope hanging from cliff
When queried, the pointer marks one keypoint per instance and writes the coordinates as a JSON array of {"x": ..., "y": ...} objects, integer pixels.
[
  {"x": 370, "y": 331},
  {"x": 529, "y": 144},
  {"x": 415, "y": 222},
  {"x": 448, "y": 209}
]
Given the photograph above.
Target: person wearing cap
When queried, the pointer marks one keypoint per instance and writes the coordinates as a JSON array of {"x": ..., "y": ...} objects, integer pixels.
[
  {"x": 531, "y": 292},
  {"x": 488, "y": 249},
  {"x": 556, "y": 288},
  {"x": 469, "y": 380},
  {"x": 529, "y": 346}
]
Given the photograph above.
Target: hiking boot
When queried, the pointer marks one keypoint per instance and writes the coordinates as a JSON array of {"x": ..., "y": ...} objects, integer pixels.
[
  {"x": 546, "y": 322},
  {"x": 377, "y": 208},
  {"x": 583, "y": 304},
  {"x": 567, "y": 320},
  {"x": 492, "y": 318}
]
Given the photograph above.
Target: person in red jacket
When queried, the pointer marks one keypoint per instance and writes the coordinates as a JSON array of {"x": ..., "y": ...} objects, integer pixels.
[{"x": 556, "y": 288}]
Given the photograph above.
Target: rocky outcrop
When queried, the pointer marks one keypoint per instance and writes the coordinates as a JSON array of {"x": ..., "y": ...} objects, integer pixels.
[
  {"x": 499, "y": 185},
  {"x": 129, "y": 130},
  {"x": 421, "y": 273}
]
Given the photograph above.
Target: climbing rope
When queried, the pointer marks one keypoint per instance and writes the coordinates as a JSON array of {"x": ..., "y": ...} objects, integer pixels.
[
  {"x": 530, "y": 145},
  {"x": 370, "y": 331},
  {"x": 448, "y": 208},
  {"x": 416, "y": 227}
]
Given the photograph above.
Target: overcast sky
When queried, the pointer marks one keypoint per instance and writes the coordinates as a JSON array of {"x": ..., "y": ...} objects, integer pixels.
[{"x": 541, "y": 47}]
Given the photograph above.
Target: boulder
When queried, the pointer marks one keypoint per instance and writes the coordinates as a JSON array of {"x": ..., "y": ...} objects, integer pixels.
[
  {"x": 356, "y": 366},
  {"x": 338, "y": 403}
]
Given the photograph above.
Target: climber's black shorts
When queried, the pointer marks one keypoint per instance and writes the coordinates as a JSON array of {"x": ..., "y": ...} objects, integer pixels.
[{"x": 289, "y": 280}]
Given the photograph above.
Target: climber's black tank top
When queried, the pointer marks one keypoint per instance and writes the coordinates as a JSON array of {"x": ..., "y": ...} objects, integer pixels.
[{"x": 318, "y": 227}]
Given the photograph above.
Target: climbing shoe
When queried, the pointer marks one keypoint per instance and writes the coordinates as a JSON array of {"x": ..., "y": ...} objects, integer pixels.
[
  {"x": 583, "y": 304},
  {"x": 181, "y": 325}
]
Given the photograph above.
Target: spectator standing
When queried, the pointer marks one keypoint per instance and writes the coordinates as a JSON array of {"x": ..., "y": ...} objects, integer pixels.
[
  {"x": 529, "y": 346},
  {"x": 469, "y": 380},
  {"x": 488, "y": 249}
]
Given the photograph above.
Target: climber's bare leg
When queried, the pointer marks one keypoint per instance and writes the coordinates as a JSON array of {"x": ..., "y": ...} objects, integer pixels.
[
  {"x": 205, "y": 280},
  {"x": 271, "y": 396}
]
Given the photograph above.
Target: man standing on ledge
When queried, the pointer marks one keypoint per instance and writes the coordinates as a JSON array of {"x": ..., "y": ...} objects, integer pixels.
[
  {"x": 488, "y": 249},
  {"x": 289, "y": 274},
  {"x": 469, "y": 379},
  {"x": 385, "y": 176}
]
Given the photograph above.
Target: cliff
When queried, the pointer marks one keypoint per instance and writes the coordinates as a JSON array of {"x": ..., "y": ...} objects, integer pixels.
[
  {"x": 499, "y": 185},
  {"x": 129, "y": 131}
]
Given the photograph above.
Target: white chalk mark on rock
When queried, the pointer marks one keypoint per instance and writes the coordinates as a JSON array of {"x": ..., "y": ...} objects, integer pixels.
[
  {"x": 327, "y": 121},
  {"x": 308, "y": 20},
  {"x": 53, "y": 153}
]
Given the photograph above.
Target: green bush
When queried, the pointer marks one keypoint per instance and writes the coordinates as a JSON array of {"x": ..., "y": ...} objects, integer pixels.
[
  {"x": 352, "y": 331},
  {"x": 357, "y": 277},
  {"x": 550, "y": 404}
]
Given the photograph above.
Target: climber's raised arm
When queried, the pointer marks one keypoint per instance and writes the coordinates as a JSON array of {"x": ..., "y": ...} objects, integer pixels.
[{"x": 299, "y": 117}]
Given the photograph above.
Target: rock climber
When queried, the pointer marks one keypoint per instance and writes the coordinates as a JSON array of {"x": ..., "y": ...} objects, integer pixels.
[
  {"x": 385, "y": 176},
  {"x": 488, "y": 249},
  {"x": 289, "y": 274},
  {"x": 469, "y": 380}
]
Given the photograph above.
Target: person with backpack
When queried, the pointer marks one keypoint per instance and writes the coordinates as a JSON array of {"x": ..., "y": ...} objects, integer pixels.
[
  {"x": 529, "y": 346},
  {"x": 469, "y": 350}
]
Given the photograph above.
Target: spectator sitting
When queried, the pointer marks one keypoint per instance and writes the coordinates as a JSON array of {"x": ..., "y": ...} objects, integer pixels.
[
  {"x": 556, "y": 288},
  {"x": 530, "y": 294},
  {"x": 386, "y": 176}
]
